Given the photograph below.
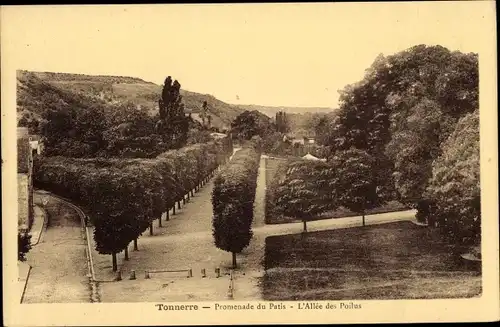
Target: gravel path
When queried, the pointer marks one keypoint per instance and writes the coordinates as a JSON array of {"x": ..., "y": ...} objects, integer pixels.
[{"x": 58, "y": 261}]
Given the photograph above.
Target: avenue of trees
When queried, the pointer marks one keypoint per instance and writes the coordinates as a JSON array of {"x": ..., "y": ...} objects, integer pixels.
[
  {"x": 233, "y": 198},
  {"x": 124, "y": 197}
]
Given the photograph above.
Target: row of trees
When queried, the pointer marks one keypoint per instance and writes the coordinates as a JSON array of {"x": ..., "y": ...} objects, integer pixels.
[
  {"x": 124, "y": 197},
  {"x": 405, "y": 114},
  {"x": 304, "y": 189},
  {"x": 233, "y": 198}
]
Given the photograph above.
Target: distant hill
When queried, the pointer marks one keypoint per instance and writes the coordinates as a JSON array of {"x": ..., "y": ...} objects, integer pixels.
[
  {"x": 111, "y": 90},
  {"x": 272, "y": 110}
]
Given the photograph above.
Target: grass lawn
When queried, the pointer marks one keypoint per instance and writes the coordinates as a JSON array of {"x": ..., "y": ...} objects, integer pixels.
[{"x": 398, "y": 260}]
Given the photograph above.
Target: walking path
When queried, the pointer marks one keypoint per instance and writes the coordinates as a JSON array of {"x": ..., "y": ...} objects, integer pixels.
[{"x": 58, "y": 264}]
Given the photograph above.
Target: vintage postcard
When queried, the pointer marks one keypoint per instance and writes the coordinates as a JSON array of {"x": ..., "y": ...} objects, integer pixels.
[{"x": 233, "y": 164}]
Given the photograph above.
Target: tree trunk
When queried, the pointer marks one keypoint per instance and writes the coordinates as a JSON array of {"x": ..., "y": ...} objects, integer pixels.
[
  {"x": 188, "y": 196},
  {"x": 126, "y": 253},
  {"x": 135, "y": 245},
  {"x": 115, "y": 265},
  {"x": 234, "y": 260},
  {"x": 363, "y": 214},
  {"x": 159, "y": 221},
  {"x": 179, "y": 205},
  {"x": 304, "y": 222},
  {"x": 184, "y": 199},
  {"x": 173, "y": 210},
  {"x": 192, "y": 193},
  {"x": 168, "y": 215},
  {"x": 151, "y": 228}
]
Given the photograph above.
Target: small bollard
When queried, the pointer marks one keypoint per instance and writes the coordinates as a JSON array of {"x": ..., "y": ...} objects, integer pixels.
[
  {"x": 217, "y": 272},
  {"x": 118, "y": 276},
  {"x": 132, "y": 275},
  {"x": 203, "y": 273},
  {"x": 190, "y": 273},
  {"x": 146, "y": 274}
]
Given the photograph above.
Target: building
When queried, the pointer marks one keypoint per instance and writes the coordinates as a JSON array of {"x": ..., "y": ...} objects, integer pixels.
[
  {"x": 24, "y": 177},
  {"x": 36, "y": 144}
]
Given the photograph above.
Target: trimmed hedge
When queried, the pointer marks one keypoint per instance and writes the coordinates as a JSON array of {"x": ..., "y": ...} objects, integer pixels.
[
  {"x": 233, "y": 197},
  {"x": 123, "y": 197}
]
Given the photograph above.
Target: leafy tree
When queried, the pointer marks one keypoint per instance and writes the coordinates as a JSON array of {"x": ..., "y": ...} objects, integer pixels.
[
  {"x": 251, "y": 123},
  {"x": 173, "y": 124},
  {"x": 233, "y": 196},
  {"x": 356, "y": 183},
  {"x": 305, "y": 190},
  {"x": 455, "y": 182}
]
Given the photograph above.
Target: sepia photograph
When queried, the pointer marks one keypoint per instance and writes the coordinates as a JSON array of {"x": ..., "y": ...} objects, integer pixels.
[{"x": 242, "y": 157}]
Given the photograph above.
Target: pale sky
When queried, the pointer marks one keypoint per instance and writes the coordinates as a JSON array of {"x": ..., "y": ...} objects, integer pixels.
[{"x": 267, "y": 54}]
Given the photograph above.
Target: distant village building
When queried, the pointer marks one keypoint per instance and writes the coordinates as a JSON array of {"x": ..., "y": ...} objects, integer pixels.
[
  {"x": 309, "y": 156},
  {"x": 24, "y": 177},
  {"x": 36, "y": 144}
]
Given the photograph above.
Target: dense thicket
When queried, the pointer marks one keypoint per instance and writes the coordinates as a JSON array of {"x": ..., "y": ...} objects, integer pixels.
[
  {"x": 233, "y": 198},
  {"x": 123, "y": 197},
  {"x": 82, "y": 125},
  {"x": 402, "y": 112},
  {"x": 454, "y": 185}
]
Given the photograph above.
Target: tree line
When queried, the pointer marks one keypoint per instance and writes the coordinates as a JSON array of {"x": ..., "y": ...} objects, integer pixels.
[
  {"x": 77, "y": 125},
  {"x": 124, "y": 197},
  {"x": 408, "y": 131}
]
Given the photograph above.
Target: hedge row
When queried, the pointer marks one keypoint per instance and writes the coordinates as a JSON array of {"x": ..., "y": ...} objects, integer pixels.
[
  {"x": 233, "y": 198},
  {"x": 123, "y": 197}
]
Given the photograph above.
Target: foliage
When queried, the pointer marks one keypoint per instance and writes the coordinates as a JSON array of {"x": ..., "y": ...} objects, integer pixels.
[
  {"x": 304, "y": 191},
  {"x": 455, "y": 182},
  {"x": 173, "y": 124},
  {"x": 23, "y": 245},
  {"x": 251, "y": 123},
  {"x": 88, "y": 116},
  {"x": 233, "y": 196},
  {"x": 282, "y": 125},
  {"x": 356, "y": 182},
  {"x": 401, "y": 113}
]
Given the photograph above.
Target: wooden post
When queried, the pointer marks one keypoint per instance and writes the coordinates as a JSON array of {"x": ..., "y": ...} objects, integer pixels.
[
  {"x": 203, "y": 273},
  {"x": 217, "y": 272},
  {"x": 119, "y": 276},
  {"x": 115, "y": 265},
  {"x": 190, "y": 273},
  {"x": 146, "y": 274},
  {"x": 132, "y": 275}
]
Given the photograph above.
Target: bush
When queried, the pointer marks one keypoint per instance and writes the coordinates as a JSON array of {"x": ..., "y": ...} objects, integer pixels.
[{"x": 23, "y": 245}]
